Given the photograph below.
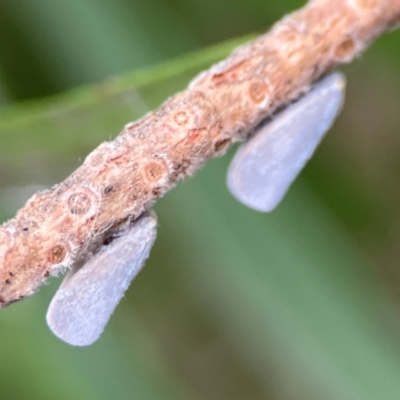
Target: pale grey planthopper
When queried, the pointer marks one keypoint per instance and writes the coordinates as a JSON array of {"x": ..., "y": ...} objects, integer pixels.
[{"x": 260, "y": 174}]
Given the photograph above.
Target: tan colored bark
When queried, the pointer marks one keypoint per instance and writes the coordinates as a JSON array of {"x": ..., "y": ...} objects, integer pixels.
[{"x": 121, "y": 179}]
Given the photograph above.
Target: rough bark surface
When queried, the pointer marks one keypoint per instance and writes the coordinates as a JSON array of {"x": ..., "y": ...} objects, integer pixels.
[{"x": 121, "y": 179}]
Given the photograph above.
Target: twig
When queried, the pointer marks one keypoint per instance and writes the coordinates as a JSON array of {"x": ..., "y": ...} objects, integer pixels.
[{"x": 121, "y": 179}]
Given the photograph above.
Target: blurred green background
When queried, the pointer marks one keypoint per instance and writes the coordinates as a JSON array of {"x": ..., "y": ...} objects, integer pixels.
[{"x": 299, "y": 304}]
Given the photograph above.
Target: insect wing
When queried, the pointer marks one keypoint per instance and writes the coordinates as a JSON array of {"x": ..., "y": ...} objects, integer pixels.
[
  {"x": 265, "y": 166},
  {"x": 86, "y": 299}
]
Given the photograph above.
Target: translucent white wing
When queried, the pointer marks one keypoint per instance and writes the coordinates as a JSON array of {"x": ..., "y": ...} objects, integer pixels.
[
  {"x": 86, "y": 299},
  {"x": 265, "y": 166}
]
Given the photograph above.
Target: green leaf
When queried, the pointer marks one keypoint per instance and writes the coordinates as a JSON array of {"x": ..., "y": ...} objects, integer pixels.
[{"x": 272, "y": 306}]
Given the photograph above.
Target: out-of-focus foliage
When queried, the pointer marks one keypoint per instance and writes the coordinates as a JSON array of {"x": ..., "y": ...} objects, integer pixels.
[{"x": 299, "y": 304}]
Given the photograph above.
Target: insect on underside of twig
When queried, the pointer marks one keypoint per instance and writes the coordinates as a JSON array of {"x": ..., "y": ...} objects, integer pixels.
[{"x": 275, "y": 94}]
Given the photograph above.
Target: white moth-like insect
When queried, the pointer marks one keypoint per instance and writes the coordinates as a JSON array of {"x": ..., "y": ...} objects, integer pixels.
[
  {"x": 266, "y": 165},
  {"x": 259, "y": 176},
  {"x": 88, "y": 296}
]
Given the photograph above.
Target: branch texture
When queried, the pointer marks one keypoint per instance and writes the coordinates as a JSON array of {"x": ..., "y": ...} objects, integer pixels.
[{"x": 121, "y": 179}]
